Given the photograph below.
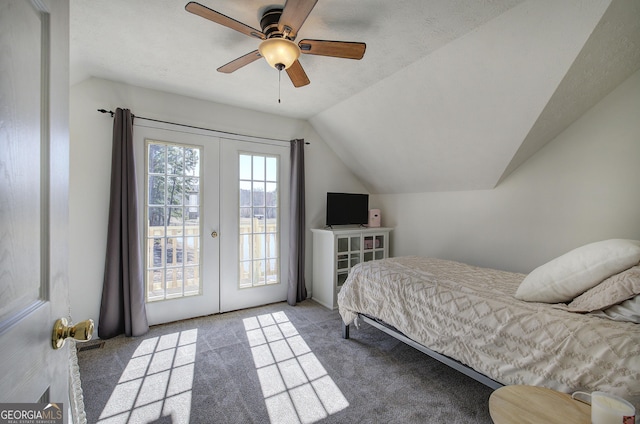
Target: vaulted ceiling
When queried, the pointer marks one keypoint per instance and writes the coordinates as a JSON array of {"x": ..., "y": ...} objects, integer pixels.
[{"x": 450, "y": 95}]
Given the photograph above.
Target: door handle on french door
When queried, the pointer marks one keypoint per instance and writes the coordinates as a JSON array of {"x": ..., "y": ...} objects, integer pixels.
[
  {"x": 214, "y": 234},
  {"x": 82, "y": 331}
]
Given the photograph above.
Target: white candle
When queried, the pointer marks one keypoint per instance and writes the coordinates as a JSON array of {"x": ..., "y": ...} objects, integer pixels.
[{"x": 608, "y": 410}]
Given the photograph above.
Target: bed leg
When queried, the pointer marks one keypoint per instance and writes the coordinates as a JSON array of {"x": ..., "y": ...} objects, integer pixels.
[{"x": 345, "y": 331}]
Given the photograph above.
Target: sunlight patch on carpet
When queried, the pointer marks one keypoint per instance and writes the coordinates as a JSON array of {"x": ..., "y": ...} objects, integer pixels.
[
  {"x": 156, "y": 383},
  {"x": 295, "y": 385}
]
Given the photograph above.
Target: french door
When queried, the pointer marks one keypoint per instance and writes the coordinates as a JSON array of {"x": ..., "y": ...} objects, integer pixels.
[
  {"x": 178, "y": 190},
  {"x": 212, "y": 211},
  {"x": 255, "y": 221}
]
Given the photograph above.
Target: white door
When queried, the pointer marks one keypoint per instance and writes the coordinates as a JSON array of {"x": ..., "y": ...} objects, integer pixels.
[
  {"x": 254, "y": 224},
  {"x": 34, "y": 169},
  {"x": 178, "y": 174}
]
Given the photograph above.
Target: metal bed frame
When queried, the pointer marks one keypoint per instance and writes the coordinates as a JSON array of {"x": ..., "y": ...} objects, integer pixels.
[{"x": 393, "y": 332}]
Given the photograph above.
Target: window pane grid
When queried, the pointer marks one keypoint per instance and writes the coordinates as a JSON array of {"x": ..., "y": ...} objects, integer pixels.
[
  {"x": 173, "y": 231},
  {"x": 258, "y": 221}
]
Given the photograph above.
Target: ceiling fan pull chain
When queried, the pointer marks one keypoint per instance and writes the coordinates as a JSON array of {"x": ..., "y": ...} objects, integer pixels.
[{"x": 279, "y": 79}]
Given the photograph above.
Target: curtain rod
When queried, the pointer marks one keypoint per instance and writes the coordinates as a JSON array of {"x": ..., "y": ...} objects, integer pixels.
[{"x": 110, "y": 112}]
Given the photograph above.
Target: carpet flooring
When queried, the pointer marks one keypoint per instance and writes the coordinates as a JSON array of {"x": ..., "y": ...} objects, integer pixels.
[{"x": 272, "y": 364}]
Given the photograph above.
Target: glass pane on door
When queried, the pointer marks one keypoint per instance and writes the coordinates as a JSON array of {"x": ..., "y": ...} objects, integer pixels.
[
  {"x": 259, "y": 225},
  {"x": 355, "y": 244},
  {"x": 173, "y": 231}
]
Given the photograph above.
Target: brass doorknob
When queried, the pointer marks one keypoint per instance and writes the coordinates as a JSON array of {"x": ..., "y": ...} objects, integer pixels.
[
  {"x": 214, "y": 234},
  {"x": 82, "y": 331}
]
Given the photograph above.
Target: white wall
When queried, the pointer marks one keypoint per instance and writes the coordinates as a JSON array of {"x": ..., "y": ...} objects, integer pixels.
[
  {"x": 583, "y": 186},
  {"x": 90, "y": 169}
]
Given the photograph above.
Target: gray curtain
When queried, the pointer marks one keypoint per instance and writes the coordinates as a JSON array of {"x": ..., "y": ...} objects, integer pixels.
[
  {"x": 123, "y": 303},
  {"x": 297, "y": 291}
]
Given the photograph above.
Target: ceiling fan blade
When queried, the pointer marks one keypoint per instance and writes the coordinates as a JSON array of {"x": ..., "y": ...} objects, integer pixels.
[
  {"x": 294, "y": 14},
  {"x": 234, "y": 65},
  {"x": 343, "y": 49},
  {"x": 219, "y": 18},
  {"x": 297, "y": 75}
]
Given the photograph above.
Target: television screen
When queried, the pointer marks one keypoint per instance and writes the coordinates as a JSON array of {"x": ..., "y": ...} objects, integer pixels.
[{"x": 347, "y": 209}]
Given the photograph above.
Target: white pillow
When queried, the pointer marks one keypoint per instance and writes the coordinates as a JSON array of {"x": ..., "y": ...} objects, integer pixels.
[
  {"x": 569, "y": 275},
  {"x": 629, "y": 311}
]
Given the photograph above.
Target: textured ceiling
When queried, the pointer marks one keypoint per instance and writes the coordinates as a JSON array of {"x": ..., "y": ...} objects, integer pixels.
[
  {"x": 157, "y": 44},
  {"x": 465, "y": 116},
  {"x": 454, "y": 94},
  {"x": 610, "y": 55}
]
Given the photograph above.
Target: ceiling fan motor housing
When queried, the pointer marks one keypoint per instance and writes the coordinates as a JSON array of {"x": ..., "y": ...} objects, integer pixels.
[{"x": 269, "y": 23}]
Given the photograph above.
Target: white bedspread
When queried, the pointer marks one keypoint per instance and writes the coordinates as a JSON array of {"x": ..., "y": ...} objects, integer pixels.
[{"x": 469, "y": 314}]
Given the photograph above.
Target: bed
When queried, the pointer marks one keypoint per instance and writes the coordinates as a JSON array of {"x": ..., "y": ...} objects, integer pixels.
[{"x": 474, "y": 319}]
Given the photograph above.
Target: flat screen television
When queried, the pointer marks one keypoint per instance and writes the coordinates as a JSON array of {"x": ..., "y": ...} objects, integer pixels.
[{"x": 347, "y": 209}]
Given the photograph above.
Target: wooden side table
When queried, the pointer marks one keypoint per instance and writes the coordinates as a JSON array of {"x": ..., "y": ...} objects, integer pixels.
[{"x": 536, "y": 405}]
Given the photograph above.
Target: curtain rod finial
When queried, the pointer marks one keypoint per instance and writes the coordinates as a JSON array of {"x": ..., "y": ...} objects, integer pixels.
[{"x": 106, "y": 111}]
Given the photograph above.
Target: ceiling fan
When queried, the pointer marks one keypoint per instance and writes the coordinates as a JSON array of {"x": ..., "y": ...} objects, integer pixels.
[{"x": 280, "y": 27}]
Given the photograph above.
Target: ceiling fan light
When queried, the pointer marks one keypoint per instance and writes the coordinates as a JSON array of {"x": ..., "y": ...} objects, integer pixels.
[{"x": 279, "y": 51}]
